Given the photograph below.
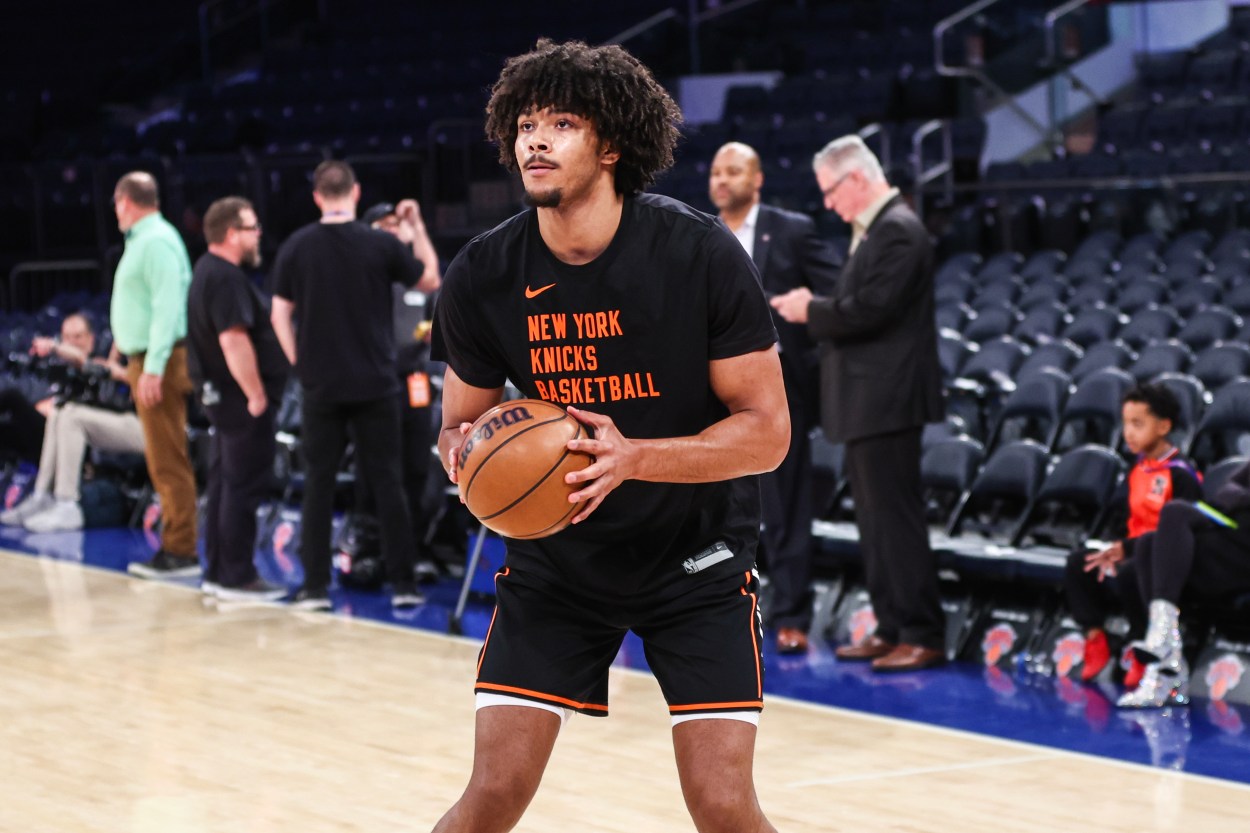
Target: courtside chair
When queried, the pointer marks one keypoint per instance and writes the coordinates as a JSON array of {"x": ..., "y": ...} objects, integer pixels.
[
  {"x": 1034, "y": 410},
  {"x": 947, "y": 470},
  {"x": 1074, "y": 499},
  {"x": 1002, "y": 492}
]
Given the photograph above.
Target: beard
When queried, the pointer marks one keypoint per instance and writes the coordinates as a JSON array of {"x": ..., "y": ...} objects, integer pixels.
[
  {"x": 251, "y": 259},
  {"x": 544, "y": 199}
]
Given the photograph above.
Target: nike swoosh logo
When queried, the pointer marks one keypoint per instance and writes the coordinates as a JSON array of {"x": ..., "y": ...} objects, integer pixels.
[{"x": 534, "y": 293}]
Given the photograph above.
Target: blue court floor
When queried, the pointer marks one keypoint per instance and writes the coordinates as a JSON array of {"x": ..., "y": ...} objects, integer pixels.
[{"x": 1208, "y": 738}]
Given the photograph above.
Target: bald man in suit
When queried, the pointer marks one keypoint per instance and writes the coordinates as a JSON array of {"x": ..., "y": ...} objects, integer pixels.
[
  {"x": 788, "y": 254},
  {"x": 881, "y": 382}
]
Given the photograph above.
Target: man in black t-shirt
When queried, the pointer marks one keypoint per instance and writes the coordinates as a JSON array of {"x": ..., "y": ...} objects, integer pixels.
[
  {"x": 647, "y": 319},
  {"x": 239, "y": 372},
  {"x": 416, "y": 435},
  {"x": 335, "y": 276}
]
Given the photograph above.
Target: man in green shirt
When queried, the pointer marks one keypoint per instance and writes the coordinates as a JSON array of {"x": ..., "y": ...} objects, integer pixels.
[{"x": 148, "y": 315}]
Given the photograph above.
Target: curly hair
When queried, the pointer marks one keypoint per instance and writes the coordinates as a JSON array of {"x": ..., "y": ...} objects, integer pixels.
[{"x": 628, "y": 107}]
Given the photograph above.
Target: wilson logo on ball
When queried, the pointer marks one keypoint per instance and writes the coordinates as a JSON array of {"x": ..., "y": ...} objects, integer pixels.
[
  {"x": 512, "y": 466},
  {"x": 508, "y": 417}
]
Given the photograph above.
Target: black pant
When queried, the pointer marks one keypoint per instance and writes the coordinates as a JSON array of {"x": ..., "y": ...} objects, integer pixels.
[
  {"x": 240, "y": 476},
  {"x": 1090, "y": 600},
  {"x": 416, "y": 435},
  {"x": 786, "y": 538},
  {"x": 375, "y": 426},
  {"x": 884, "y": 472},
  {"x": 21, "y": 426},
  {"x": 1190, "y": 553}
]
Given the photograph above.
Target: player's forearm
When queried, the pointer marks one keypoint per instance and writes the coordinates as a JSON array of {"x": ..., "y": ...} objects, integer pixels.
[{"x": 745, "y": 443}]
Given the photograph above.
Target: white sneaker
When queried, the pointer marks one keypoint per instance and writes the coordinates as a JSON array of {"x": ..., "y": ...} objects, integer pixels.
[
  {"x": 35, "y": 503},
  {"x": 64, "y": 515}
]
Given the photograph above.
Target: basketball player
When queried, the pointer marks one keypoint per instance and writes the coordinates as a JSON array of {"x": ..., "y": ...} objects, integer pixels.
[{"x": 647, "y": 319}]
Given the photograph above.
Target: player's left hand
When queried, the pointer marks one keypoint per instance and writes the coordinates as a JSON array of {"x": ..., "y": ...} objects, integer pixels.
[{"x": 615, "y": 459}]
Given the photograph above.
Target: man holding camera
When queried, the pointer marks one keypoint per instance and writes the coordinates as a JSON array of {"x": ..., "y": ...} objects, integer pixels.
[{"x": 85, "y": 411}]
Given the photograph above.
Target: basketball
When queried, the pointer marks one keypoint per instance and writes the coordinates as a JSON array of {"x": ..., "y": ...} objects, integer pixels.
[{"x": 512, "y": 465}]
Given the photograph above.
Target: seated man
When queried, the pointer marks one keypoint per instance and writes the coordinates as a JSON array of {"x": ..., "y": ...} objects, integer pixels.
[
  {"x": 22, "y": 416},
  {"x": 89, "y": 411}
]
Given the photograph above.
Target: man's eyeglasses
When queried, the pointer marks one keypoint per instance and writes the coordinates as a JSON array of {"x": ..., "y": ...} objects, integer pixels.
[
  {"x": 255, "y": 227},
  {"x": 833, "y": 189}
]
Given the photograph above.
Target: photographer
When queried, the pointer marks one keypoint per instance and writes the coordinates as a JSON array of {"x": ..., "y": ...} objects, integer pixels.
[
  {"x": 90, "y": 407},
  {"x": 23, "y": 414}
]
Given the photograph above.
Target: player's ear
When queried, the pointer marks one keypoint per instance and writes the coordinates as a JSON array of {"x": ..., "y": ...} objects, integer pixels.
[{"x": 608, "y": 153}]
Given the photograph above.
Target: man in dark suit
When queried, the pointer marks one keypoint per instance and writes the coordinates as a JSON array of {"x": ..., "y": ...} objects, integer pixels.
[
  {"x": 880, "y": 383},
  {"x": 789, "y": 254}
]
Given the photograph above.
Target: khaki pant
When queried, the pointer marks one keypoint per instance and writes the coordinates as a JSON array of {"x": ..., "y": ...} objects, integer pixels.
[
  {"x": 165, "y": 447},
  {"x": 70, "y": 429}
]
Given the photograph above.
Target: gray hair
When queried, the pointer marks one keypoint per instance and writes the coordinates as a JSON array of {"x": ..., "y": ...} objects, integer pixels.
[{"x": 848, "y": 153}]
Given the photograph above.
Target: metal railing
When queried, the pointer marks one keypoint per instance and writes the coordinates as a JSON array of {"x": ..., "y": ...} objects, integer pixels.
[
  {"x": 33, "y": 284},
  {"x": 886, "y": 156},
  {"x": 1058, "y": 63},
  {"x": 944, "y": 169},
  {"x": 976, "y": 73}
]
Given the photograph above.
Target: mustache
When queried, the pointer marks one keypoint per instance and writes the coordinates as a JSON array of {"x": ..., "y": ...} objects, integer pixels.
[{"x": 538, "y": 159}]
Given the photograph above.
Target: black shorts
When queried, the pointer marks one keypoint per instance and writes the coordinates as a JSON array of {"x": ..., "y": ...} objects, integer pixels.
[{"x": 547, "y": 645}]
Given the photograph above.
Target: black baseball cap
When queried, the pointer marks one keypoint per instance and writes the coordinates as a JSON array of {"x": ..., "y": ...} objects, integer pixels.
[{"x": 377, "y": 212}]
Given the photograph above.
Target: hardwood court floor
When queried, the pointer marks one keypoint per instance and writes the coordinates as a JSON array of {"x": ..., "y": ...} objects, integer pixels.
[{"x": 132, "y": 706}]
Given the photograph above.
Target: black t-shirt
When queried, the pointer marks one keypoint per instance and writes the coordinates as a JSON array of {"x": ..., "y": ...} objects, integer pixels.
[
  {"x": 222, "y": 297},
  {"x": 339, "y": 277},
  {"x": 629, "y": 335}
]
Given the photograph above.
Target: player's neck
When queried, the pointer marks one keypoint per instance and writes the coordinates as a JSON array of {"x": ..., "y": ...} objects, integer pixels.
[
  {"x": 579, "y": 232},
  {"x": 1158, "y": 451}
]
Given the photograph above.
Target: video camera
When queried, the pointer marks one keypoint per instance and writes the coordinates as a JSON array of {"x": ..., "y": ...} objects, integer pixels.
[{"x": 91, "y": 384}]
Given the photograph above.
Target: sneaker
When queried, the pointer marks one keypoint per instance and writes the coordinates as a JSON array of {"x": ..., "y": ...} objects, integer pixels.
[
  {"x": 165, "y": 565},
  {"x": 307, "y": 599},
  {"x": 210, "y": 588},
  {"x": 1097, "y": 654},
  {"x": 64, "y": 516},
  {"x": 426, "y": 572},
  {"x": 405, "y": 596},
  {"x": 255, "y": 590},
  {"x": 35, "y": 503}
]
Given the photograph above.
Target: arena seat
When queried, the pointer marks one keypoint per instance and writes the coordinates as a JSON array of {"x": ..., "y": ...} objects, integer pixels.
[
  {"x": 1074, "y": 499},
  {"x": 1057, "y": 354},
  {"x": 1191, "y": 396},
  {"x": 1224, "y": 430},
  {"x": 1149, "y": 325},
  {"x": 1033, "y": 410},
  {"x": 1093, "y": 322},
  {"x": 1092, "y": 412},
  {"x": 1170, "y": 356},
  {"x": 947, "y": 470},
  {"x": 1114, "y": 353},
  {"x": 1221, "y": 363},
  {"x": 1139, "y": 293}
]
